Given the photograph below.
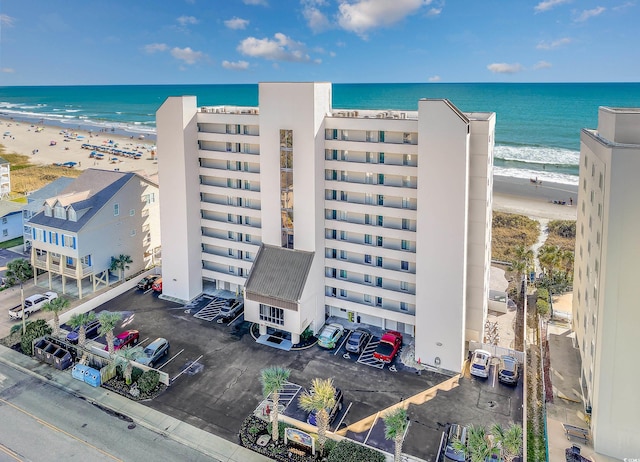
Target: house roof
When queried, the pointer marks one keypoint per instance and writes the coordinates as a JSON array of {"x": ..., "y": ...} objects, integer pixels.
[
  {"x": 279, "y": 273},
  {"x": 9, "y": 207},
  {"x": 3, "y": 161},
  {"x": 86, "y": 194},
  {"x": 37, "y": 198}
]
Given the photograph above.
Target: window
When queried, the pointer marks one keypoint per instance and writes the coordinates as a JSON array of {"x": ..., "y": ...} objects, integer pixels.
[
  {"x": 149, "y": 198},
  {"x": 403, "y": 306},
  {"x": 247, "y": 220},
  {"x": 59, "y": 212},
  {"x": 343, "y": 274},
  {"x": 343, "y": 254},
  {"x": 5, "y": 232},
  {"x": 247, "y": 238},
  {"x": 367, "y": 157},
  {"x": 380, "y": 220},
  {"x": 231, "y": 252},
  {"x": 116, "y": 210},
  {"x": 367, "y": 298},
  {"x": 367, "y": 219},
  {"x": 367, "y": 238},
  {"x": 405, "y": 223},
  {"x": 406, "y": 203},
  {"x": 231, "y": 269},
  {"x": 367, "y": 259},
  {"x": 272, "y": 314},
  {"x": 343, "y": 293},
  {"x": 343, "y": 195},
  {"x": 343, "y": 235},
  {"x": 4, "y": 220},
  {"x": 229, "y": 217},
  {"x": 380, "y": 199},
  {"x": 334, "y": 253},
  {"x": 378, "y": 301},
  {"x": 378, "y": 261},
  {"x": 405, "y": 245},
  {"x": 406, "y": 138},
  {"x": 380, "y": 178},
  {"x": 404, "y": 265},
  {"x": 381, "y": 136},
  {"x": 132, "y": 212},
  {"x": 601, "y": 181},
  {"x": 378, "y": 282},
  {"x": 72, "y": 215},
  {"x": 231, "y": 235},
  {"x": 379, "y": 241},
  {"x": 47, "y": 210},
  {"x": 367, "y": 278},
  {"x": 406, "y": 159},
  {"x": 404, "y": 285}
]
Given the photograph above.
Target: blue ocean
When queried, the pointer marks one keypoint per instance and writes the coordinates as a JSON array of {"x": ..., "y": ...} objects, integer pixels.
[{"x": 537, "y": 124}]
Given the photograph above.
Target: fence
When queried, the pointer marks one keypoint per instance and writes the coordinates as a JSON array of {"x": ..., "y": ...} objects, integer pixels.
[{"x": 497, "y": 350}]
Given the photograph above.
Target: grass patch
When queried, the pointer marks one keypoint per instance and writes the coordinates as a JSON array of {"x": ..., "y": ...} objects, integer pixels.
[
  {"x": 12, "y": 243},
  {"x": 510, "y": 230},
  {"x": 562, "y": 233}
]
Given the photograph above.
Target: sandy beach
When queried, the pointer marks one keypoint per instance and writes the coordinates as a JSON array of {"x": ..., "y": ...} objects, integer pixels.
[
  {"x": 512, "y": 195},
  {"x": 48, "y": 144}
]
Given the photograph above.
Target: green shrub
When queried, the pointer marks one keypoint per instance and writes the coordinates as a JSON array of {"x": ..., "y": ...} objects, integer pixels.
[
  {"x": 348, "y": 451},
  {"x": 33, "y": 330},
  {"x": 306, "y": 335},
  {"x": 136, "y": 374},
  {"x": 148, "y": 381}
]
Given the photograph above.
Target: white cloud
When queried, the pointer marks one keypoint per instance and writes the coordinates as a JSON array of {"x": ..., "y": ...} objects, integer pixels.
[
  {"x": 316, "y": 19},
  {"x": 504, "y": 68},
  {"x": 548, "y": 5},
  {"x": 434, "y": 78},
  {"x": 187, "y": 55},
  {"x": 281, "y": 49},
  {"x": 332, "y": 54},
  {"x": 362, "y": 15},
  {"x": 185, "y": 20},
  {"x": 542, "y": 65},
  {"x": 434, "y": 11},
  {"x": 555, "y": 44},
  {"x": 7, "y": 70},
  {"x": 587, "y": 14},
  {"x": 6, "y": 20},
  {"x": 153, "y": 47},
  {"x": 235, "y": 65},
  {"x": 236, "y": 23},
  {"x": 624, "y": 6},
  {"x": 255, "y": 2}
]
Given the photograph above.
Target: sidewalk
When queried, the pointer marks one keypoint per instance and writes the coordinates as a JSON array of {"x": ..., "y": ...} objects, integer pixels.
[{"x": 218, "y": 448}]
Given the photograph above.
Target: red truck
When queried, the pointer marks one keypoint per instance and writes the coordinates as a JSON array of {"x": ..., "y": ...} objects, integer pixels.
[{"x": 388, "y": 347}]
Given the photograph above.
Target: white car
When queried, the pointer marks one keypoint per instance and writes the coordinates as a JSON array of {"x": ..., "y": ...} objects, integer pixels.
[
  {"x": 480, "y": 363},
  {"x": 31, "y": 305}
]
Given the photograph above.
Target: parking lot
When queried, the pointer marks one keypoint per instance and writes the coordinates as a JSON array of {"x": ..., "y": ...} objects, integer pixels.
[{"x": 215, "y": 367}]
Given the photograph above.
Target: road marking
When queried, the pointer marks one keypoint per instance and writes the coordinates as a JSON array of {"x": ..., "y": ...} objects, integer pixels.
[
  {"x": 344, "y": 415},
  {"x": 170, "y": 359},
  {"x": 9, "y": 452},
  {"x": 346, "y": 336},
  {"x": 59, "y": 430},
  {"x": 186, "y": 369}
]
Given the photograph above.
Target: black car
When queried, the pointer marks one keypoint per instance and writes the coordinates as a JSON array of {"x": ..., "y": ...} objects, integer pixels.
[
  {"x": 358, "y": 340},
  {"x": 333, "y": 412},
  {"x": 91, "y": 331},
  {"x": 146, "y": 283}
]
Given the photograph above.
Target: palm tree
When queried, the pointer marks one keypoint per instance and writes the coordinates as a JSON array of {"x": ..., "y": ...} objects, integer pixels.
[
  {"x": 121, "y": 263},
  {"x": 123, "y": 358},
  {"x": 80, "y": 322},
  {"x": 273, "y": 379},
  {"x": 549, "y": 257},
  {"x": 56, "y": 306},
  {"x": 521, "y": 262},
  {"x": 321, "y": 398},
  {"x": 478, "y": 445},
  {"x": 509, "y": 440},
  {"x": 395, "y": 425},
  {"x": 19, "y": 270},
  {"x": 108, "y": 321}
]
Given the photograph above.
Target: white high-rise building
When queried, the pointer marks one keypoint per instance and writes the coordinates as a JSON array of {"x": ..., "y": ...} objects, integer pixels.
[
  {"x": 381, "y": 217},
  {"x": 606, "y": 310}
]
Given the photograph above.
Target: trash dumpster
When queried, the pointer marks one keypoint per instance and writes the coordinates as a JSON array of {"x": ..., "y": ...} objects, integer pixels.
[
  {"x": 38, "y": 349},
  {"x": 92, "y": 377},
  {"x": 49, "y": 350},
  {"x": 62, "y": 359},
  {"x": 78, "y": 371}
]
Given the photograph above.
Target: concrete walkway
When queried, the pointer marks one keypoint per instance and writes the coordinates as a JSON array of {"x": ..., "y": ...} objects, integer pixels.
[{"x": 217, "y": 448}]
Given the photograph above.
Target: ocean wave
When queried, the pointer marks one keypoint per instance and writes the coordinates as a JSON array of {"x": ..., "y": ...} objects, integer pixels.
[
  {"x": 537, "y": 155},
  {"x": 553, "y": 177}
]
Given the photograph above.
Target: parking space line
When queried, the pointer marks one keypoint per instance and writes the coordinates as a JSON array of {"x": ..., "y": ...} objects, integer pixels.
[
  {"x": 344, "y": 415},
  {"x": 366, "y": 357},
  {"x": 170, "y": 359},
  {"x": 185, "y": 369},
  {"x": 235, "y": 319},
  {"x": 346, "y": 336},
  {"x": 211, "y": 310}
]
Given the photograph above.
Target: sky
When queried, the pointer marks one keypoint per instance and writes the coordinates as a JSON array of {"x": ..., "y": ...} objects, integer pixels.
[{"x": 84, "y": 42}]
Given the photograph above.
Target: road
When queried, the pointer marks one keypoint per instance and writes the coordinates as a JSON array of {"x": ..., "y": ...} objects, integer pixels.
[{"x": 40, "y": 422}]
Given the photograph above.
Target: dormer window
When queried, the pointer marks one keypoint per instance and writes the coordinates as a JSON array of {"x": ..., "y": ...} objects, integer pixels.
[
  {"x": 47, "y": 210},
  {"x": 59, "y": 212},
  {"x": 72, "y": 215}
]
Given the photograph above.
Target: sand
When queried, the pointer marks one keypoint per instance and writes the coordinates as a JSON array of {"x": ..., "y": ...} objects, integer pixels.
[{"x": 35, "y": 141}]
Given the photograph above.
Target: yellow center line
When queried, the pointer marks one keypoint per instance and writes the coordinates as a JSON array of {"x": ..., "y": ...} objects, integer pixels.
[
  {"x": 9, "y": 452},
  {"x": 60, "y": 430}
]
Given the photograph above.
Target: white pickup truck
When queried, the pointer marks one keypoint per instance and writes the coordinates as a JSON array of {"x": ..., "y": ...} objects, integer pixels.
[{"x": 31, "y": 305}]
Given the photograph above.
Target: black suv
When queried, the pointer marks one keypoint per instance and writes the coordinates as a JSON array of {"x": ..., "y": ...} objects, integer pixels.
[
  {"x": 333, "y": 412},
  {"x": 146, "y": 283}
]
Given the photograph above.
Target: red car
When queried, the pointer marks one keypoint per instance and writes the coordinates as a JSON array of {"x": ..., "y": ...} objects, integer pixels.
[
  {"x": 388, "y": 347},
  {"x": 157, "y": 285},
  {"x": 123, "y": 339}
]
